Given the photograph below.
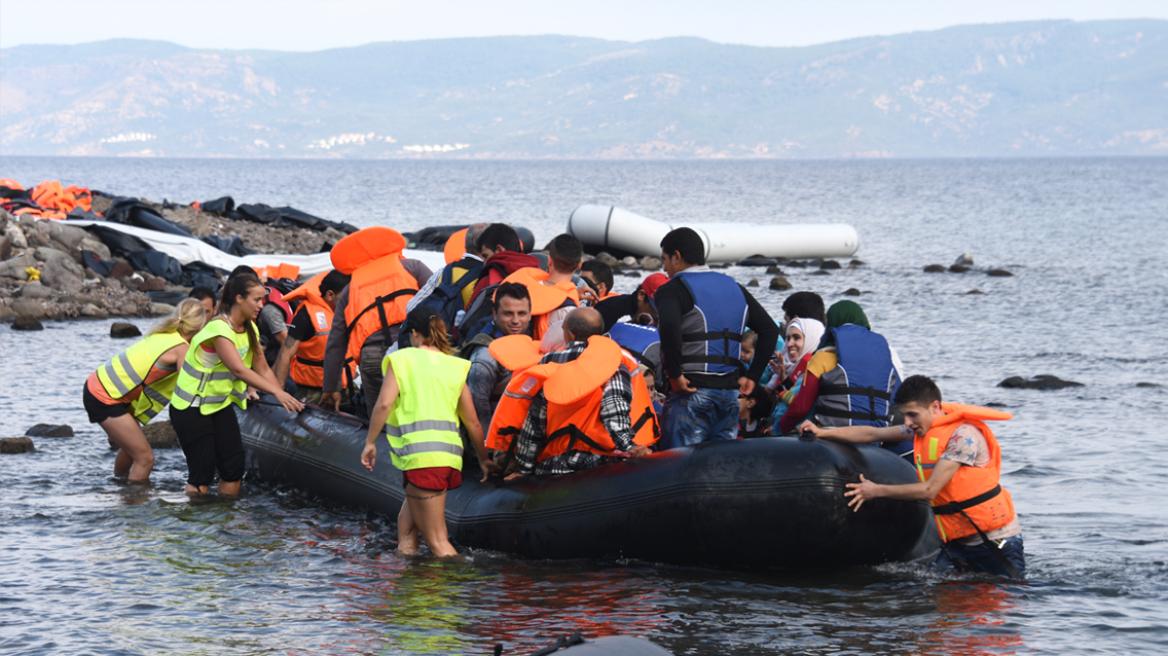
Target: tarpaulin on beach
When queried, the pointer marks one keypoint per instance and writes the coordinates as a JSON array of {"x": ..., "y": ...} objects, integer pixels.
[{"x": 190, "y": 249}]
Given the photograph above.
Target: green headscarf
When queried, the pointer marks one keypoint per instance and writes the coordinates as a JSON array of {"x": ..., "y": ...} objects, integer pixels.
[{"x": 843, "y": 312}]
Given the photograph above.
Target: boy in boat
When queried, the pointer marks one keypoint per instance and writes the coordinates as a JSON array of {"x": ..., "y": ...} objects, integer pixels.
[{"x": 959, "y": 464}]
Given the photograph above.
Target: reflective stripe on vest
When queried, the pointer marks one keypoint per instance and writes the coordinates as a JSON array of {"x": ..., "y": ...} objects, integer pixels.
[
  {"x": 213, "y": 389},
  {"x": 422, "y": 427},
  {"x": 859, "y": 390},
  {"x": 711, "y": 333},
  {"x": 127, "y": 370}
]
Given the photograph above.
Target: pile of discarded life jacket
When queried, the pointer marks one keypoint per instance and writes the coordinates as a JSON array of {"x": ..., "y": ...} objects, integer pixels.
[{"x": 48, "y": 200}]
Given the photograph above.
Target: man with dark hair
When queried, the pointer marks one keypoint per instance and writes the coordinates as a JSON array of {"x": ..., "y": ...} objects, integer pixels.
[
  {"x": 458, "y": 277},
  {"x": 804, "y": 305},
  {"x": 206, "y": 296},
  {"x": 638, "y": 305},
  {"x": 302, "y": 354},
  {"x": 502, "y": 254},
  {"x": 564, "y": 255},
  {"x": 703, "y": 315},
  {"x": 614, "y": 406},
  {"x": 598, "y": 276},
  {"x": 960, "y": 465},
  {"x": 487, "y": 379}
]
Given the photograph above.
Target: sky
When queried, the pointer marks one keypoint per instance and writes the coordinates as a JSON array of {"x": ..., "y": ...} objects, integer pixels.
[{"x": 310, "y": 25}]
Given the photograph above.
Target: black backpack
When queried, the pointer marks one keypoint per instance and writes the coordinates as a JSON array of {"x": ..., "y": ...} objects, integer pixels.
[{"x": 446, "y": 297}]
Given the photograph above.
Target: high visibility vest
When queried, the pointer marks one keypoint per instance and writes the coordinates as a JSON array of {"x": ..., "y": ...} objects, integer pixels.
[
  {"x": 422, "y": 426},
  {"x": 128, "y": 370},
  {"x": 974, "y": 494},
  {"x": 216, "y": 387},
  {"x": 308, "y": 366}
]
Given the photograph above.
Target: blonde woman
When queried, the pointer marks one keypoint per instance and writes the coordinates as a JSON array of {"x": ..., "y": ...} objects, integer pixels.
[{"x": 134, "y": 386}]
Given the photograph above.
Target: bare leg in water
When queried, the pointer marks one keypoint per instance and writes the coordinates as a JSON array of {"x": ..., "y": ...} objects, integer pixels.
[
  {"x": 425, "y": 511},
  {"x": 135, "y": 456}
]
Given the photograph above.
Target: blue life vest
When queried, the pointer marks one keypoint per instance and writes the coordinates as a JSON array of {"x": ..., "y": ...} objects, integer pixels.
[
  {"x": 859, "y": 390},
  {"x": 642, "y": 342},
  {"x": 711, "y": 333}
]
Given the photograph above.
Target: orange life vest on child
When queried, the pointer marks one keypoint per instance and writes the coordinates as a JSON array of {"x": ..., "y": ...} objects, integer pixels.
[
  {"x": 974, "y": 491},
  {"x": 308, "y": 365},
  {"x": 380, "y": 287}
]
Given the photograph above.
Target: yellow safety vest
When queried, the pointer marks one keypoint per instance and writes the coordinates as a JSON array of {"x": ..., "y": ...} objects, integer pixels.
[
  {"x": 423, "y": 425},
  {"x": 213, "y": 389},
  {"x": 128, "y": 370}
]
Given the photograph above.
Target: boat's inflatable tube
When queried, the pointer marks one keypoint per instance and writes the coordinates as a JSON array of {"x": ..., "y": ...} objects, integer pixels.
[
  {"x": 189, "y": 249},
  {"x": 771, "y": 502},
  {"x": 611, "y": 227}
]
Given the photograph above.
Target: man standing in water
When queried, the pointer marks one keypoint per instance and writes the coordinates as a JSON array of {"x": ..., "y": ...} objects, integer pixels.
[{"x": 959, "y": 464}]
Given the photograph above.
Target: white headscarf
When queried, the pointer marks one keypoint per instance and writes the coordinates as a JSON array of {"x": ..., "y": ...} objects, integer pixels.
[{"x": 812, "y": 332}]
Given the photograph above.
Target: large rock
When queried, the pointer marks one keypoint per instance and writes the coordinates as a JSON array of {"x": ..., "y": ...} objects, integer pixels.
[
  {"x": 27, "y": 323},
  {"x": 35, "y": 289},
  {"x": 50, "y": 430},
  {"x": 852, "y": 291},
  {"x": 607, "y": 259},
  {"x": 797, "y": 264},
  {"x": 999, "y": 273},
  {"x": 93, "y": 312},
  {"x": 958, "y": 268},
  {"x": 161, "y": 435},
  {"x": 68, "y": 236},
  {"x": 779, "y": 283},
  {"x": 935, "y": 268},
  {"x": 96, "y": 247},
  {"x": 6, "y": 314},
  {"x": 965, "y": 259},
  {"x": 5, "y": 248},
  {"x": 630, "y": 261},
  {"x": 152, "y": 284},
  {"x": 122, "y": 330},
  {"x": 650, "y": 263},
  {"x": 121, "y": 269},
  {"x": 827, "y": 265},
  {"x": 774, "y": 270},
  {"x": 1040, "y": 382},
  {"x": 161, "y": 309},
  {"x": 14, "y": 267},
  {"x": 46, "y": 254},
  {"x": 14, "y": 233},
  {"x": 12, "y": 445},
  {"x": 24, "y": 307},
  {"x": 64, "y": 274},
  {"x": 753, "y": 282}
]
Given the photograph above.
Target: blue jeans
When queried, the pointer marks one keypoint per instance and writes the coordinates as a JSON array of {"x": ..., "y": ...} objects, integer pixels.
[
  {"x": 978, "y": 558},
  {"x": 705, "y": 415}
]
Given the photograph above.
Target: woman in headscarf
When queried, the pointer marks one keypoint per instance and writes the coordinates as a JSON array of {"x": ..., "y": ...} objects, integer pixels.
[
  {"x": 803, "y": 337},
  {"x": 850, "y": 359}
]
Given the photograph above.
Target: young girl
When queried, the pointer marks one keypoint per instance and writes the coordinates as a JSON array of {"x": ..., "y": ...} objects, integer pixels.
[
  {"x": 422, "y": 398},
  {"x": 753, "y": 410},
  {"x": 136, "y": 385},
  {"x": 219, "y": 366}
]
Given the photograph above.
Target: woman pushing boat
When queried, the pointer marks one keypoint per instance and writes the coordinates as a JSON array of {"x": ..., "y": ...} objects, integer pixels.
[
  {"x": 135, "y": 385},
  {"x": 421, "y": 401},
  {"x": 218, "y": 368}
]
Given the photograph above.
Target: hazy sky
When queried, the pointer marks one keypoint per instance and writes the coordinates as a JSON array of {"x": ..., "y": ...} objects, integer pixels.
[{"x": 318, "y": 25}]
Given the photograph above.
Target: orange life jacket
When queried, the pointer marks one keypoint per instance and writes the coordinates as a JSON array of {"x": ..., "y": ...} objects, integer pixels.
[
  {"x": 974, "y": 494},
  {"x": 380, "y": 287},
  {"x": 11, "y": 184},
  {"x": 545, "y": 299},
  {"x": 308, "y": 365}
]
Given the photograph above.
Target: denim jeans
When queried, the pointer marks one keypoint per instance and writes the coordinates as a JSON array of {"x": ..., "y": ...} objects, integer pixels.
[
  {"x": 705, "y": 415},
  {"x": 979, "y": 558}
]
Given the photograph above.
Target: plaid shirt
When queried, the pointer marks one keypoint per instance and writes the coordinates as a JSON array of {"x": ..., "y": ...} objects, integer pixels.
[{"x": 615, "y": 406}]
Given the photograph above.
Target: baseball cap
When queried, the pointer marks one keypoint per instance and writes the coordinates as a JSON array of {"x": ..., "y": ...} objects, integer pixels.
[{"x": 651, "y": 283}]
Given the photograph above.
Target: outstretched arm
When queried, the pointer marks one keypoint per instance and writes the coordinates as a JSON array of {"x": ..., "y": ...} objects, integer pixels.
[
  {"x": 857, "y": 434},
  {"x": 925, "y": 491}
]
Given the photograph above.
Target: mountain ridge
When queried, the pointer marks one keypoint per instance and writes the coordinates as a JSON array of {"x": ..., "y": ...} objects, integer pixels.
[{"x": 1008, "y": 89}]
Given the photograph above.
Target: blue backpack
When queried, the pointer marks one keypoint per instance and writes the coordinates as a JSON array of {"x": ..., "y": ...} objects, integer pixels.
[{"x": 447, "y": 295}]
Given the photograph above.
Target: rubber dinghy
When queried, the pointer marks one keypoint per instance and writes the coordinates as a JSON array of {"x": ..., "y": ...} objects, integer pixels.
[{"x": 772, "y": 502}]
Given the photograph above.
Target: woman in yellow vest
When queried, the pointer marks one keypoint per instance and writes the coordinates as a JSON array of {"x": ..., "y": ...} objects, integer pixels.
[
  {"x": 423, "y": 397},
  {"x": 219, "y": 366},
  {"x": 134, "y": 386}
]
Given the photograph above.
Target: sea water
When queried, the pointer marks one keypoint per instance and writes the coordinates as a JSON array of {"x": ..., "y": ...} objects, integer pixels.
[{"x": 89, "y": 565}]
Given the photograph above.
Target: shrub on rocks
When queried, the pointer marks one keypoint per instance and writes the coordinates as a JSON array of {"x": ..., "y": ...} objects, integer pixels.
[
  {"x": 123, "y": 330},
  {"x": 13, "y": 445}
]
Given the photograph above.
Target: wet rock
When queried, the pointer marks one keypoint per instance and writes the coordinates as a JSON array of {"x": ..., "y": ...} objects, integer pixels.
[
  {"x": 974, "y": 291},
  {"x": 650, "y": 263},
  {"x": 817, "y": 262},
  {"x": 64, "y": 274},
  {"x": 122, "y": 330},
  {"x": 965, "y": 259},
  {"x": 35, "y": 289},
  {"x": 753, "y": 282},
  {"x": 820, "y": 272},
  {"x": 24, "y": 307},
  {"x": 14, "y": 267},
  {"x": 856, "y": 263},
  {"x": 999, "y": 273},
  {"x": 50, "y": 430},
  {"x": 607, "y": 258},
  {"x": 160, "y": 435},
  {"x": 45, "y": 254},
  {"x": 121, "y": 269},
  {"x": 161, "y": 309},
  {"x": 851, "y": 291},
  {"x": 935, "y": 268},
  {"x": 757, "y": 261},
  {"x": 93, "y": 312},
  {"x": 774, "y": 270},
  {"x": 27, "y": 323},
  {"x": 13, "y": 445},
  {"x": 958, "y": 268},
  {"x": 719, "y": 265},
  {"x": 152, "y": 284},
  {"x": 1147, "y": 384},
  {"x": 797, "y": 264},
  {"x": 1040, "y": 382},
  {"x": 779, "y": 283},
  {"x": 828, "y": 265}
]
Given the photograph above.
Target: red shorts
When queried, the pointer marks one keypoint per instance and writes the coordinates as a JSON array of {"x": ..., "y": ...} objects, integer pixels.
[{"x": 432, "y": 479}]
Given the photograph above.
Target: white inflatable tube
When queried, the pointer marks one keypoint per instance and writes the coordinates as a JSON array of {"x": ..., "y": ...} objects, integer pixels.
[
  {"x": 606, "y": 226},
  {"x": 190, "y": 249}
]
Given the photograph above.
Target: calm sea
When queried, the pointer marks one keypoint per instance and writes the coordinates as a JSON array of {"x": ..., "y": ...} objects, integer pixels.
[{"x": 89, "y": 566}]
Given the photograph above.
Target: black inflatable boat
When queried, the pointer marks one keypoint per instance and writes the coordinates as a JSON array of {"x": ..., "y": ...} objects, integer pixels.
[{"x": 771, "y": 502}]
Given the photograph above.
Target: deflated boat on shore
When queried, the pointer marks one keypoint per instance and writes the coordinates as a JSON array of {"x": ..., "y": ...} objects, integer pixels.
[{"x": 758, "y": 503}]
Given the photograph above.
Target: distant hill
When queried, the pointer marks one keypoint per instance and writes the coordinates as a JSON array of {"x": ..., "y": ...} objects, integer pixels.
[{"x": 1017, "y": 89}]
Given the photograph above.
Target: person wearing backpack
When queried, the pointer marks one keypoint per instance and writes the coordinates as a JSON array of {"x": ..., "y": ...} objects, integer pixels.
[{"x": 449, "y": 290}]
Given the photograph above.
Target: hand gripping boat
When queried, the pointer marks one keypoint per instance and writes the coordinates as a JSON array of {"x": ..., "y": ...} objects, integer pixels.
[{"x": 757, "y": 503}]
